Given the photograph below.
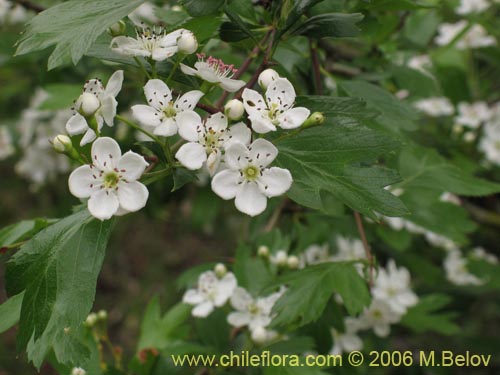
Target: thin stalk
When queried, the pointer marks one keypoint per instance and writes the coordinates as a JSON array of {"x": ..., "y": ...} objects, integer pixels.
[
  {"x": 366, "y": 245},
  {"x": 142, "y": 67},
  {"x": 138, "y": 128}
]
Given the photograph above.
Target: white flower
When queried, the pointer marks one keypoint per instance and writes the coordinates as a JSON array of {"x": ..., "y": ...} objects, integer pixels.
[
  {"x": 456, "y": 270},
  {"x": 421, "y": 63},
  {"x": 78, "y": 371},
  {"x": 12, "y": 13},
  {"x": 475, "y": 37},
  {"x": 349, "y": 249},
  {"x": 472, "y": 6},
  {"x": 472, "y": 115},
  {"x": 95, "y": 104},
  {"x": 252, "y": 312},
  {"x": 392, "y": 285},
  {"x": 187, "y": 43},
  {"x": 490, "y": 143},
  {"x": 267, "y": 77},
  {"x": 450, "y": 198},
  {"x": 211, "y": 292},
  {"x": 276, "y": 109},
  {"x": 214, "y": 71},
  {"x": 248, "y": 179},
  {"x": 315, "y": 254},
  {"x": 348, "y": 341},
  {"x": 438, "y": 106},
  {"x": 6, "y": 146},
  {"x": 260, "y": 335},
  {"x": 40, "y": 164},
  {"x": 207, "y": 140},
  {"x": 110, "y": 181},
  {"x": 161, "y": 111},
  {"x": 280, "y": 258},
  {"x": 448, "y": 31},
  {"x": 482, "y": 254},
  {"x": 379, "y": 317},
  {"x": 150, "y": 43},
  {"x": 144, "y": 13},
  {"x": 438, "y": 240}
]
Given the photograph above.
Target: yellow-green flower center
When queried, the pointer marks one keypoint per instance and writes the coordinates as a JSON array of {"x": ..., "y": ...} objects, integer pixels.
[
  {"x": 251, "y": 173},
  {"x": 169, "y": 110},
  {"x": 111, "y": 180},
  {"x": 273, "y": 113}
]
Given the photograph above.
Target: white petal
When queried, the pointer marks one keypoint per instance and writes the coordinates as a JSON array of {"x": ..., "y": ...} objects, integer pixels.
[
  {"x": 192, "y": 155},
  {"x": 88, "y": 137},
  {"x": 76, "y": 124},
  {"x": 188, "y": 123},
  {"x": 108, "y": 109},
  {"x": 261, "y": 124},
  {"x": 189, "y": 100},
  {"x": 105, "y": 153},
  {"x": 188, "y": 70},
  {"x": 157, "y": 93},
  {"x": 250, "y": 200},
  {"x": 238, "y": 133},
  {"x": 132, "y": 166},
  {"x": 253, "y": 102},
  {"x": 241, "y": 299},
  {"x": 81, "y": 183},
  {"x": 128, "y": 46},
  {"x": 382, "y": 329},
  {"x": 259, "y": 321},
  {"x": 238, "y": 319},
  {"x": 225, "y": 288},
  {"x": 192, "y": 297},
  {"x": 213, "y": 162},
  {"x": 294, "y": 117},
  {"x": 163, "y": 53},
  {"x": 281, "y": 93},
  {"x": 115, "y": 83},
  {"x": 167, "y": 127},
  {"x": 231, "y": 85},
  {"x": 225, "y": 184},
  {"x": 146, "y": 115},
  {"x": 203, "y": 309},
  {"x": 103, "y": 205},
  {"x": 275, "y": 181},
  {"x": 217, "y": 122},
  {"x": 236, "y": 156},
  {"x": 262, "y": 152},
  {"x": 132, "y": 195},
  {"x": 170, "y": 39}
]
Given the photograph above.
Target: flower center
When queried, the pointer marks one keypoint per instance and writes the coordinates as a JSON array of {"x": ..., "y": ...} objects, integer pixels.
[
  {"x": 169, "y": 110},
  {"x": 497, "y": 145},
  {"x": 150, "y": 37},
  {"x": 377, "y": 314},
  {"x": 253, "y": 309},
  {"x": 273, "y": 113},
  {"x": 251, "y": 173},
  {"x": 111, "y": 180}
]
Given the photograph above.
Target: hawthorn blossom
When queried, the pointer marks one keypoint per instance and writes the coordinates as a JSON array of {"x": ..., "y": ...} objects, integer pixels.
[
  {"x": 214, "y": 71},
  {"x": 110, "y": 181},
  {"x": 144, "y": 13},
  {"x": 207, "y": 140},
  {"x": 151, "y": 43},
  {"x": 490, "y": 143},
  {"x": 315, "y": 254},
  {"x": 96, "y": 106},
  {"x": 475, "y": 37},
  {"x": 392, "y": 285},
  {"x": 472, "y": 6},
  {"x": 276, "y": 109},
  {"x": 379, "y": 317},
  {"x": 472, "y": 115},
  {"x": 247, "y": 178},
  {"x": 481, "y": 254},
  {"x": 347, "y": 341},
  {"x": 455, "y": 266},
  {"x": 6, "y": 146},
  {"x": 211, "y": 292},
  {"x": 435, "y": 107},
  {"x": 422, "y": 63},
  {"x": 161, "y": 111},
  {"x": 252, "y": 312}
]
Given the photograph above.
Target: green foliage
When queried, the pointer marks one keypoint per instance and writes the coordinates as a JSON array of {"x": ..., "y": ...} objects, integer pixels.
[
  {"x": 337, "y": 25},
  {"x": 72, "y": 27},
  {"x": 23, "y": 230},
  {"x": 198, "y": 8},
  {"x": 10, "y": 311},
  {"x": 57, "y": 270},
  {"x": 310, "y": 289}
]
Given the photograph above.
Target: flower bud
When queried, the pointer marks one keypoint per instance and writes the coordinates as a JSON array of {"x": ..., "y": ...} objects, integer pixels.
[
  {"x": 102, "y": 315},
  {"x": 91, "y": 320},
  {"x": 316, "y": 119},
  {"x": 89, "y": 104},
  {"x": 267, "y": 77},
  {"x": 62, "y": 144},
  {"x": 234, "y": 109},
  {"x": 293, "y": 262},
  {"x": 280, "y": 258},
  {"x": 220, "y": 270},
  {"x": 187, "y": 43},
  {"x": 259, "y": 335},
  {"x": 469, "y": 137},
  {"x": 117, "y": 29},
  {"x": 78, "y": 371},
  {"x": 263, "y": 251}
]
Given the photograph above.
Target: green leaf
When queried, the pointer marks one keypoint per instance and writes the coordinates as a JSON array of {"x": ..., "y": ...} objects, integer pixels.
[
  {"x": 61, "y": 95},
  {"x": 183, "y": 176},
  {"x": 23, "y": 230},
  {"x": 198, "y": 8},
  {"x": 394, "y": 114},
  {"x": 240, "y": 24},
  {"x": 58, "y": 270},
  {"x": 425, "y": 317},
  {"x": 310, "y": 289},
  {"x": 10, "y": 311},
  {"x": 327, "y": 161},
  {"x": 251, "y": 272},
  {"x": 424, "y": 168},
  {"x": 72, "y": 27},
  {"x": 338, "y": 25}
]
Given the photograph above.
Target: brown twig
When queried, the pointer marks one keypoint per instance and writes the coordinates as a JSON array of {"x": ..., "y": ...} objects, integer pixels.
[
  {"x": 207, "y": 108},
  {"x": 275, "y": 216},
  {"x": 368, "y": 252},
  {"x": 316, "y": 67},
  {"x": 29, "y": 5}
]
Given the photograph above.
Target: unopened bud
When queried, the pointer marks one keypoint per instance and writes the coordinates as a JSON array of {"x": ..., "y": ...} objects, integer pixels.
[
  {"x": 293, "y": 262},
  {"x": 316, "y": 119},
  {"x": 234, "y": 109},
  {"x": 263, "y": 251},
  {"x": 220, "y": 270},
  {"x": 91, "y": 320},
  {"x": 187, "y": 43},
  {"x": 267, "y": 77},
  {"x": 259, "y": 335},
  {"x": 469, "y": 137},
  {"x": 280, "y": 258},
  {"x": 117, "y": 29},
  {"x": 89, "y": 104},
  {"x": 102, "y": 315},
  {"x": 78, "y": 371},
  {"x": 62, "y": 144}
]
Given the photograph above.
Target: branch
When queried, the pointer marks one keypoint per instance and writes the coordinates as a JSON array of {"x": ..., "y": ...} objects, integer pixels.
[
  {"x": 368, "y": 252},
  {"x": 316, "y": 67},
  {"x": 30, "y": 6}
]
